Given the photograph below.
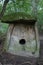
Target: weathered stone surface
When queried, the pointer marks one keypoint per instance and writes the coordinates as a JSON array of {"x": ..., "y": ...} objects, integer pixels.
[{"x": 21, "y": 40}]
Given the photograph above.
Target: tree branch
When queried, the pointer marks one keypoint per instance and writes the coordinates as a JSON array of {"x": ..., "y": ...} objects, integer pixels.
[{"x": 3, "y": 8}]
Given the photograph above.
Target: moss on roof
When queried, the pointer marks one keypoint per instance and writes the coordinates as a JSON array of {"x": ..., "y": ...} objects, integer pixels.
[{"x": 16, "y": 16}]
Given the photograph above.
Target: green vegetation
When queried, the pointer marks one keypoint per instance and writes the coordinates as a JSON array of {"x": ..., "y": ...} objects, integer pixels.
[
  {"x": 3, "y": 29},
  {"x": 23, "y": 8},
  {"x": 16, "y": 16},
  {"x": 20, "y": 9}
]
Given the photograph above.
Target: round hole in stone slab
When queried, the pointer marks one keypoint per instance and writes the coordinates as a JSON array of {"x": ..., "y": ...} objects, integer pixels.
[
  {"x": 33, "y": 52},
  {"x": 22, "y": 41}
]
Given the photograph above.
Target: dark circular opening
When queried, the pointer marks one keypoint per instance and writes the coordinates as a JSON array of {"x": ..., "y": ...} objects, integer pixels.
[
  {"x": 33, "y": 52},
  {"x": 22, "y": 41}
]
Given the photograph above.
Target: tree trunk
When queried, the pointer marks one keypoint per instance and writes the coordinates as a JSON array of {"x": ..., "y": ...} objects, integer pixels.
[{"x": 4, "y": 8}]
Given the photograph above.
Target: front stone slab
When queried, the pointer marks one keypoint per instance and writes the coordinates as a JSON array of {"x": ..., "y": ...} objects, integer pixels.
[{"x": 22, "y": 40}]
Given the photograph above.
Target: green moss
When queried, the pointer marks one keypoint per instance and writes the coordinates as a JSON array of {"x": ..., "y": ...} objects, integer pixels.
[{"x": 16, "y": 16}]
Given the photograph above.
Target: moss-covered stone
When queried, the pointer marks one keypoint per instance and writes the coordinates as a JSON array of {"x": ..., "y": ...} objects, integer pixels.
[{"x": 17, "y": 16}]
